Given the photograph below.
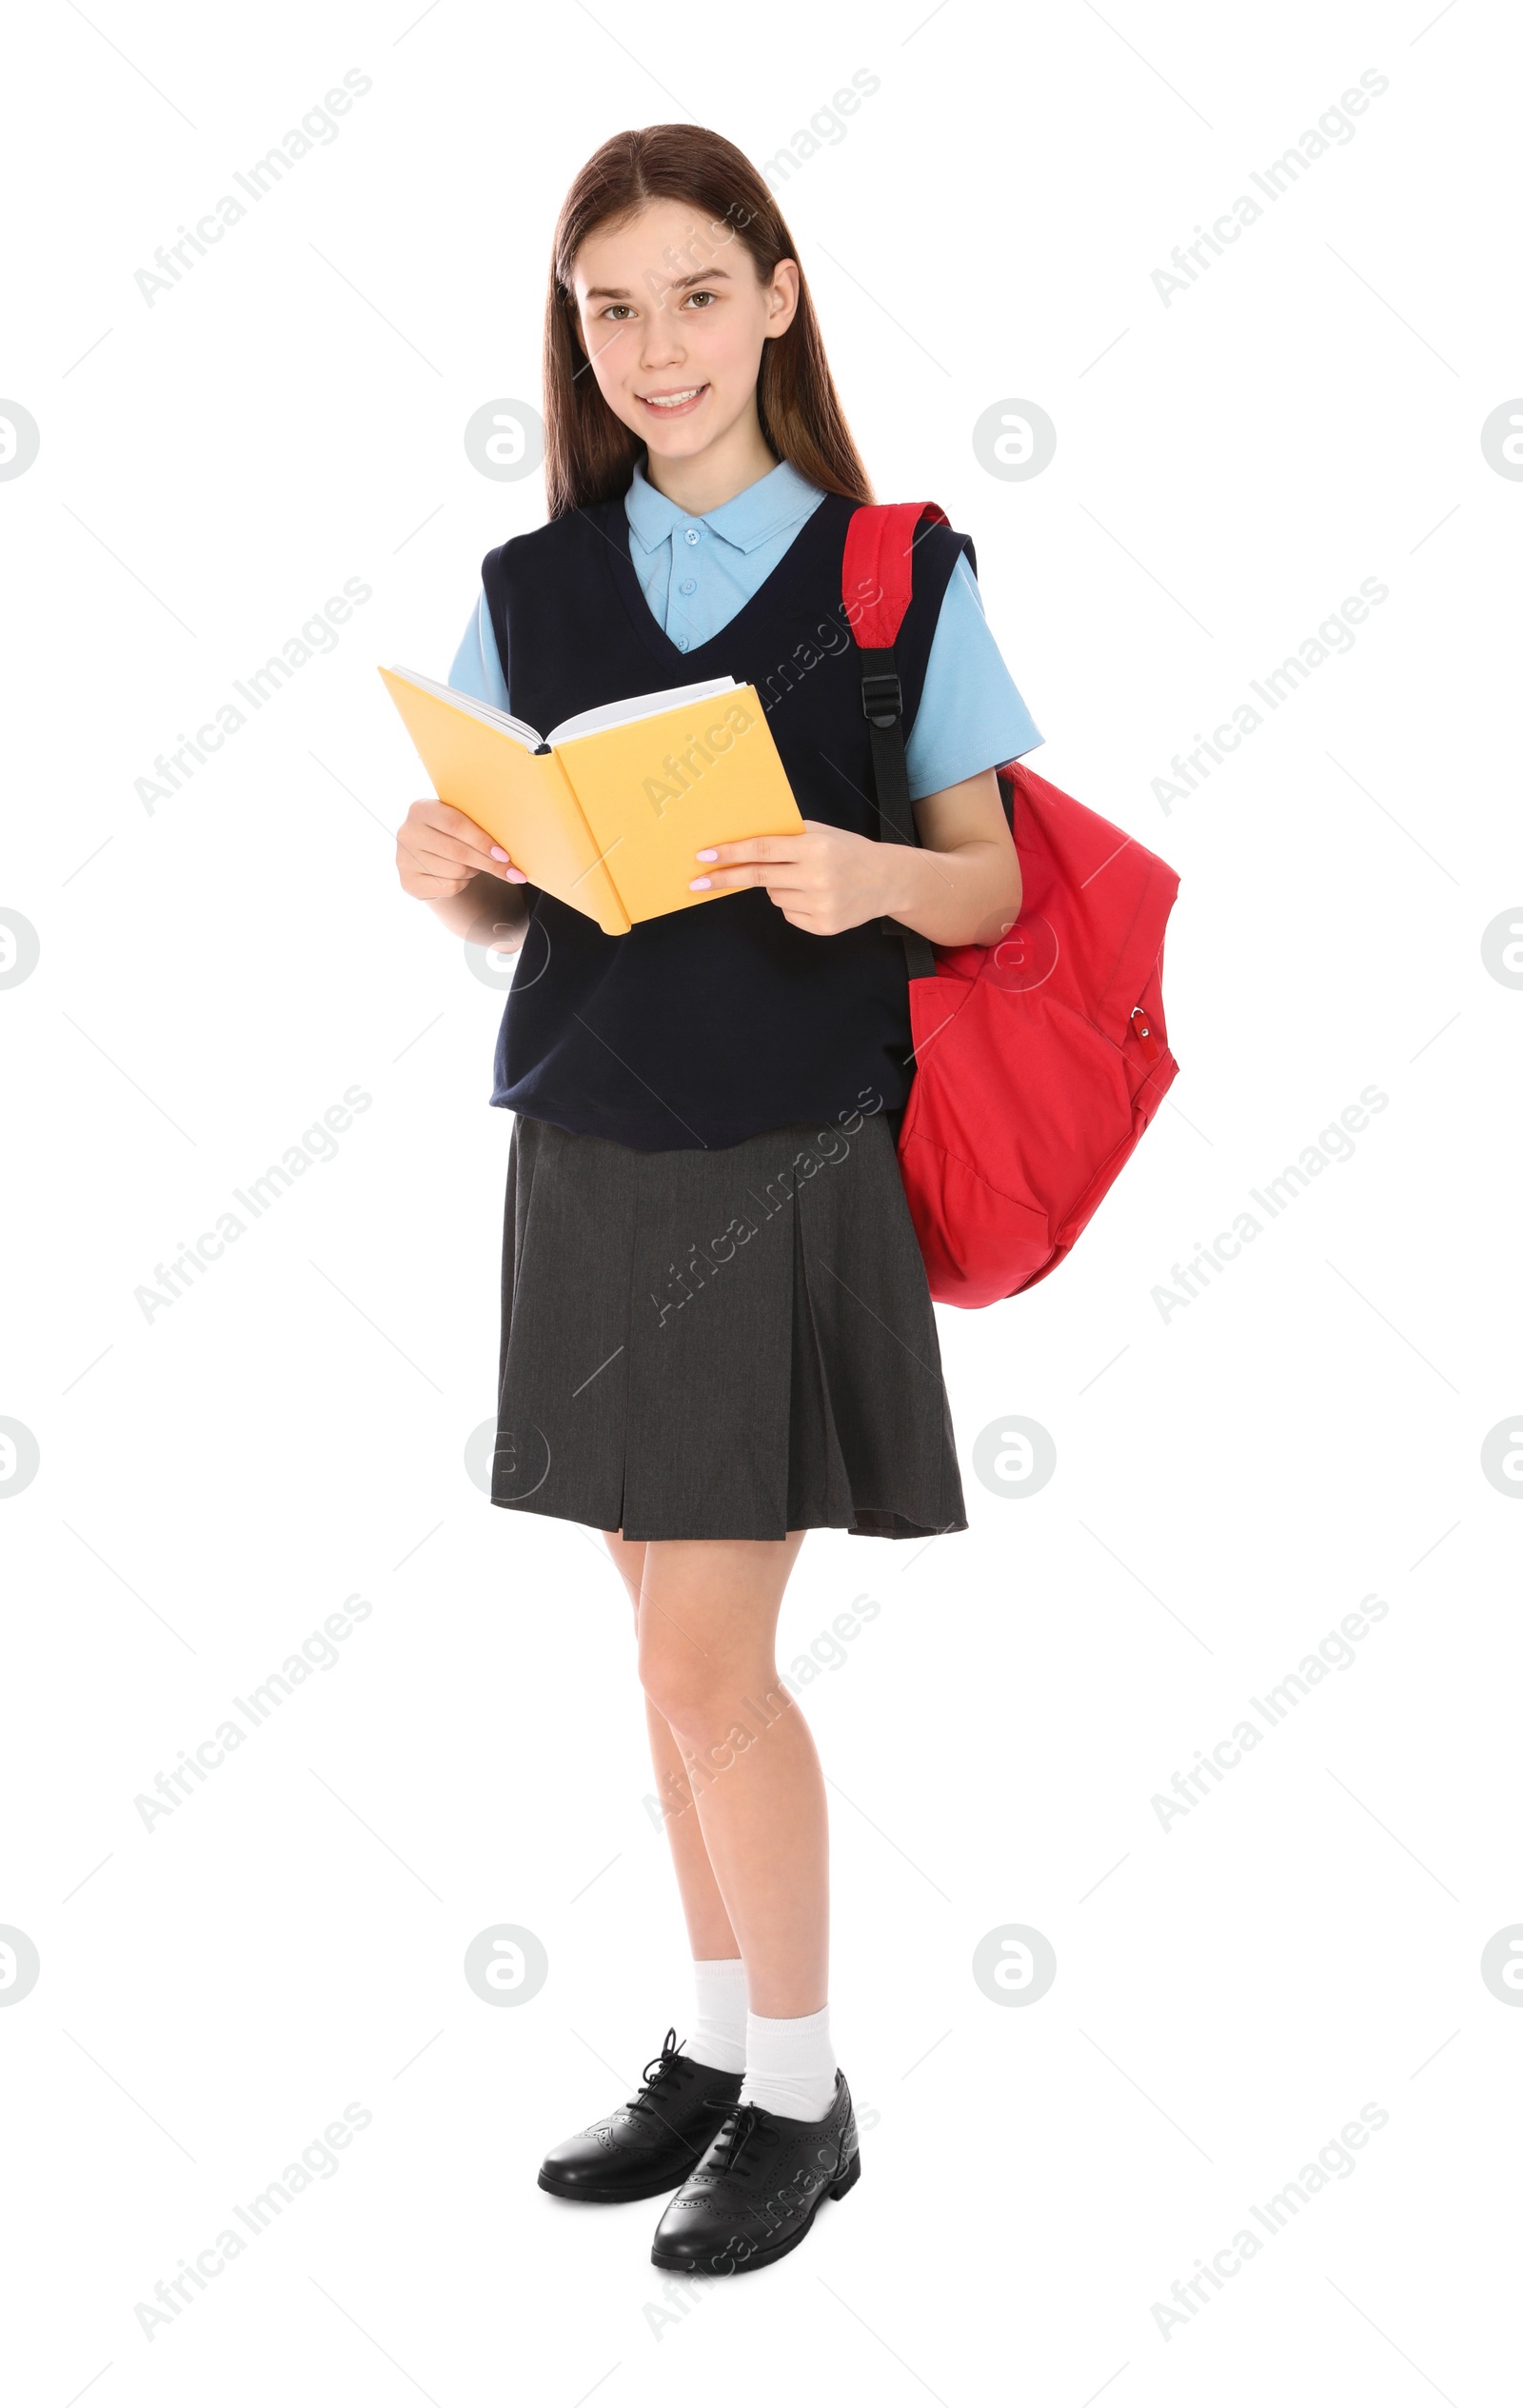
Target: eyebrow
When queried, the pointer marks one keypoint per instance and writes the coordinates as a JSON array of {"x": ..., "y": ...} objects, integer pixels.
[{"x": 678, "y": 284}]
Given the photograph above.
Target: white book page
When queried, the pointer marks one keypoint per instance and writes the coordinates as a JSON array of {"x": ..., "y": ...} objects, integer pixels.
[
  {"x": 588, "y": 722},
  {"x": 519, "y": 730}
]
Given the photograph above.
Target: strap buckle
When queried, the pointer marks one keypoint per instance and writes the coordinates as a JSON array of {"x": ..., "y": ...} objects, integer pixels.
[{"x": 882, "y": 702}]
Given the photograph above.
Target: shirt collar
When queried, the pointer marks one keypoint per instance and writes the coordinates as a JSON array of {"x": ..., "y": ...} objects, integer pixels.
[{"x": 753, "y": 516}]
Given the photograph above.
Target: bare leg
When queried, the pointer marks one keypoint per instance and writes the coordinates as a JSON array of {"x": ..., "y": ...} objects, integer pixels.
[
  {"x": 710, "y": 1931},
  {"x": 707, "y": 1622}
]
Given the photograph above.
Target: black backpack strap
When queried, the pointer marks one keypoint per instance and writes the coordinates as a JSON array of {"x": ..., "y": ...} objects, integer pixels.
[{"x": 884, "y": 709}]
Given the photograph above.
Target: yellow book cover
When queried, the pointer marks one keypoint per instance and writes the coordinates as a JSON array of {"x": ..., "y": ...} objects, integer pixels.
[
  {"x": 607, "y": 811},
  {"x": 489, "y": 768}
]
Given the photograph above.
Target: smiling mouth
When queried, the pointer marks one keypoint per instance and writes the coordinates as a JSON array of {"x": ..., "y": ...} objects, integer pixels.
[{"x": 672, "y": 401}]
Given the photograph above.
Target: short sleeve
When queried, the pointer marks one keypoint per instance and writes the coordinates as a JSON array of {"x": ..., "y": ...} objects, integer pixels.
[
  {"x": 971, "y": 715},
  {"x": 477, "y": 668}
]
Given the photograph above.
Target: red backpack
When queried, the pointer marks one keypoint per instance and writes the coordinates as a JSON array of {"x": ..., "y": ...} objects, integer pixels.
[{"x": 1039, "y": 1061}]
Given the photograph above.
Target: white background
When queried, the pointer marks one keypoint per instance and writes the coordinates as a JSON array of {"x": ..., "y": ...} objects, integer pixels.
[{"x": 1231, "y": 1481}]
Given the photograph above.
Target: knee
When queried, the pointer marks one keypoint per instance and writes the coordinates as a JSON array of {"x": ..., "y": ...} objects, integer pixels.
[
  {"x": 699, "y": 1694},
  {"x": 681, "y": 1683}
]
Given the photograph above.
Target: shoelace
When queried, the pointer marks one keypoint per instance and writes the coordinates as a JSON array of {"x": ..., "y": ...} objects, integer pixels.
[
  {"x": 741, "y": 2124},
  {"x": 652, "y": 2074}
]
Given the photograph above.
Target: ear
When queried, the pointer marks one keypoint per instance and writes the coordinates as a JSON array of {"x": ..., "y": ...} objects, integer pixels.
[{"x": 783, "y": 301}]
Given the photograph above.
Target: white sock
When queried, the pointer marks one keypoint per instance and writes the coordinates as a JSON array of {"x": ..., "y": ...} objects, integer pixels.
[
  {"x": 719, "y": 2035},
  {"x": 790, "y": 2064}
]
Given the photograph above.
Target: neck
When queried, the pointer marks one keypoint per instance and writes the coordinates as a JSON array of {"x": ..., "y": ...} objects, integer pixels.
[{"x": 733, "y": 461}]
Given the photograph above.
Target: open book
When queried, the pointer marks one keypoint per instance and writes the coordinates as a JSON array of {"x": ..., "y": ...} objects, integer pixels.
[{"x": 607, "y": 811}]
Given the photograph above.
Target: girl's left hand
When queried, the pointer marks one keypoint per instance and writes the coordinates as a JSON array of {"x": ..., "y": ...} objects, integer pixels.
[{"x": 826, "y": 879}]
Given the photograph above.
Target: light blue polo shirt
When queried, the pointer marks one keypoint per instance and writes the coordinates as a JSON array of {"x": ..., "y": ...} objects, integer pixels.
[{"x": 971, "y": 716}]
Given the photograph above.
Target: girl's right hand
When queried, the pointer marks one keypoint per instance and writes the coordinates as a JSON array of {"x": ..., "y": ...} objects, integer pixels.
[{"x": 439, "y": 852}]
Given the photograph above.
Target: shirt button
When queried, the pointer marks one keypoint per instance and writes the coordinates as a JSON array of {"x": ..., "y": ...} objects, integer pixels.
[
  {"x": 689, "y": 585},
  {"x": 682, "y": 644},
  {"x": 691, "y": 535}
]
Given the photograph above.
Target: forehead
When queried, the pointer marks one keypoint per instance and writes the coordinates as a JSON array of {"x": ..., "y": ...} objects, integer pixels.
[{"x": 668, "y": 244}]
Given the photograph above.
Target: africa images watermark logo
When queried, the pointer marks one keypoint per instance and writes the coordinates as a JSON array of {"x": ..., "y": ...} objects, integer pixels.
[
  {"x": 1334, "y": 1143},
  {"x": 1332, "y": 1653},
  {"x": 318, "y": 1144},
  {"x": 1334, "y": 2161},
  {"x": 826, "y": 128},
  {"x": 1335, "y": 634},
  {"x": 318, "y": 2162},
  {"x": 172, "y": 261},
  {"x": 318, "y": 1653},
  {"x": 1335, "y": 126},
  {"x": 171, "y": 770},
  {"x": 829, "y": 1147}
]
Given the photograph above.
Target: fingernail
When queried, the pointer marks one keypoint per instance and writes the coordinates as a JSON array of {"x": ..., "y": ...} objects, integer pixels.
[
  {"x": 711, "y": 855},
  {"x": 498, "y": 853},
  {"x": 518, "y": 877},
  {"x": 695, "y": 885}
]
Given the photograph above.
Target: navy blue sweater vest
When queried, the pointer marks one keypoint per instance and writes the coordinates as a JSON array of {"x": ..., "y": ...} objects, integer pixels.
[{"x": 711, "y": 1024}]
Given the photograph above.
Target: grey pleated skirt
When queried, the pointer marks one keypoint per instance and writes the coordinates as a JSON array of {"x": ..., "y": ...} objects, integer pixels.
[{"x": 723, "y": 1344}]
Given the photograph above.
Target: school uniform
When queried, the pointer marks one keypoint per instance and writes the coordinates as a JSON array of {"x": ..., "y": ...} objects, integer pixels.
[{"x": 715, "y": 1321}]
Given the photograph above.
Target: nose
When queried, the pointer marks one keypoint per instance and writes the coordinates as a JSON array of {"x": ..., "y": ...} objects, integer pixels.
[{"x": 663, "y": 340}]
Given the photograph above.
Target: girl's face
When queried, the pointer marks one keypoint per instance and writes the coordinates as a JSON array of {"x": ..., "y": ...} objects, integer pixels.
[{"x": 672, "y": 317}]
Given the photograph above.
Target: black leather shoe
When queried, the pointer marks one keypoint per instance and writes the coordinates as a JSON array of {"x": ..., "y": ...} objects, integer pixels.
[
  {"x": 754, "y": 2194},
  {"x": 655, "y": 2139}
]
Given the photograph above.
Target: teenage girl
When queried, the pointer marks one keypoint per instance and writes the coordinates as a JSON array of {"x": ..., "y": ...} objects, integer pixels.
[{"x": 716, "y": 1330}]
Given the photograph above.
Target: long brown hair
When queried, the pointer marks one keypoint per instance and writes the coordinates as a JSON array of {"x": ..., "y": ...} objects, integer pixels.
[{"x": 589, "y": 454}]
